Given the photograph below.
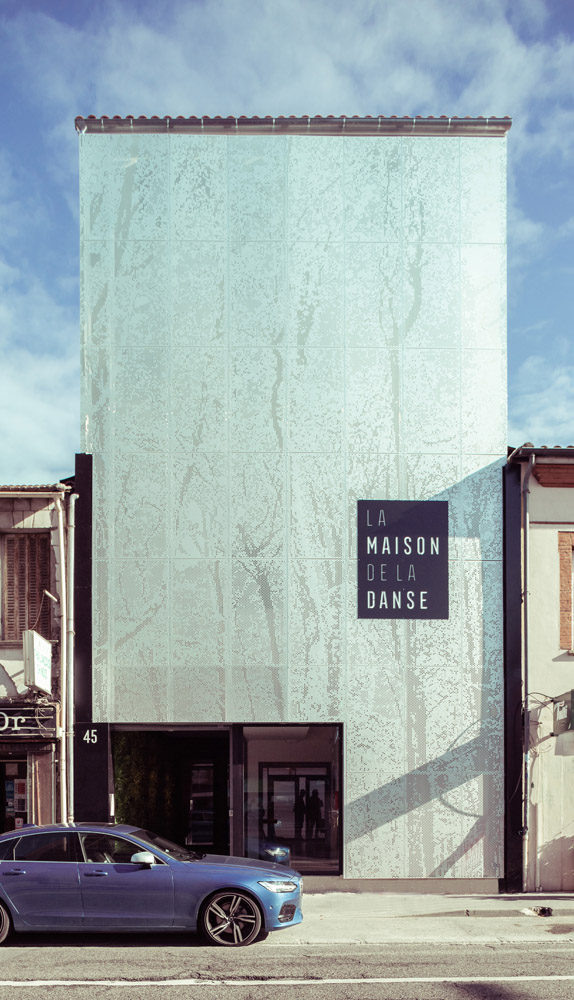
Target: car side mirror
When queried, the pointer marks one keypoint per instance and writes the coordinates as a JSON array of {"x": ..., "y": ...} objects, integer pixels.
[{"x": 144, "y": 858}]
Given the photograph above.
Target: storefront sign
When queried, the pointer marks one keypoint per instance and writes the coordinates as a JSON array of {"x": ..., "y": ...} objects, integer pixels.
[
  {"x": 402, "y": 549},
  {"x": 37, "y": 661},
  {"x": 28, "y": 722}
]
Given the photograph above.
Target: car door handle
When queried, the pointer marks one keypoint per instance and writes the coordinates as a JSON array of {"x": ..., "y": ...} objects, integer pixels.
[
  {"x": 95, "y": 874},
  {"x": 16, "y": 871}
]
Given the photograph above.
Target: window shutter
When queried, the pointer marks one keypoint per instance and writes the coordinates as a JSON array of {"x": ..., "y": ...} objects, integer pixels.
[
  {"x": 26, "y": 575},
  {"x": 10, "y": 589},
  {"x": 43, "y": 577},
  {"x": 28, "y": 586}
]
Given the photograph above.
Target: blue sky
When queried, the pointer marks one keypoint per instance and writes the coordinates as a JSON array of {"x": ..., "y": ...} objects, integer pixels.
[{"x": 60, "y": 58}]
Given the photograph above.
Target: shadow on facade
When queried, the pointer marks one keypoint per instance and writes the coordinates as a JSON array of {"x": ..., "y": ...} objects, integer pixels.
[
  {"x": 556, "y": 857},
  {"x": 475, "y": 516}
]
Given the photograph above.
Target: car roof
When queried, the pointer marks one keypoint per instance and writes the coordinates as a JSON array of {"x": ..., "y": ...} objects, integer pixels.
[{"x": 58, "y": 827}]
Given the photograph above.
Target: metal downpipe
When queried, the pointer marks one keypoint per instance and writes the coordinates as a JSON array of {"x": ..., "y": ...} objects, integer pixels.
[
  {"x": 70, "y": 655},
  {"x": 62, "y": 768}
]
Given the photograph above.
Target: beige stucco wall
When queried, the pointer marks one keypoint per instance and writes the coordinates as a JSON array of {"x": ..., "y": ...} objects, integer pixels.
[{"x": 550, "y": 846}]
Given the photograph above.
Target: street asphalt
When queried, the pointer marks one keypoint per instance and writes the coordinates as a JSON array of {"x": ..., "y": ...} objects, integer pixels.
[{"x": 383, "y": 917}]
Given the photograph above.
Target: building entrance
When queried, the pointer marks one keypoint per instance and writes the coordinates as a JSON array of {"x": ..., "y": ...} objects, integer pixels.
[
  {"x": 298, "y": 802},
  {"x": 175, "y": 783},
  {"x": 282, "y": 783}
]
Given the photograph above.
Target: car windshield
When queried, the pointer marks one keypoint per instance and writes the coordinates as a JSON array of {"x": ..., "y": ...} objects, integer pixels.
[{"x": 167, "y": 846}]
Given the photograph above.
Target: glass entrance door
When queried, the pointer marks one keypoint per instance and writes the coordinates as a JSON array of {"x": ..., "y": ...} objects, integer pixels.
[
  {"x": 202, "y": 791},
  {"x": 298, "y": 804},
  {"x": 204, "y": 772}
]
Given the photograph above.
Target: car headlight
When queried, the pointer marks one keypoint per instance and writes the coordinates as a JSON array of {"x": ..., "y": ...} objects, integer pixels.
[
  {"x": 279, "y": 886},
  {"x": 276, "y": 852}
]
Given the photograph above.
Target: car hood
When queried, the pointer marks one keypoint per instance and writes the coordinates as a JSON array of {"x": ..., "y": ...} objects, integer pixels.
[{"x": 242, "y": 863}]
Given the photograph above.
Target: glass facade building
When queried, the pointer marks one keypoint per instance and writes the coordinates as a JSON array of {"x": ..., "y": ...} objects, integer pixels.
[{"x": 281, "y": 319}]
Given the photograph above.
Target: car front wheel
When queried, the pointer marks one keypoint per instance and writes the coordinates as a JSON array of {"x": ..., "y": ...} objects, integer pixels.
[
  {"x": 232, "y": 919},
  {"x": 5, "y": 923}
]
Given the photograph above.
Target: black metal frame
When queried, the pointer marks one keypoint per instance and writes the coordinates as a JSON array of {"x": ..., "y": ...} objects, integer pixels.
[
  {"x": 83, "y": 590},
  {"x": 92, "y": 779},
  {"x": 513, "y": 708}
]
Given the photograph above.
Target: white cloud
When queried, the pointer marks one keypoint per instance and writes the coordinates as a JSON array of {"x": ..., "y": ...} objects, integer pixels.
[
  {"x": 528, "y": 238},
  {"x": 255, "y": 57},
  {"x": 39, "y": 412},
  {"x": 296, "y": 57},
  {"x": 542, "y": 403},
  {"x": 39, "y": 380},
  {"x": 33, "y": 314},
  {"x": 301, "y": 57}
]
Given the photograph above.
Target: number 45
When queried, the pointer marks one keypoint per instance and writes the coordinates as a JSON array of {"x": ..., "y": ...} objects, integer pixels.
[{"x": 90, "y": 736}]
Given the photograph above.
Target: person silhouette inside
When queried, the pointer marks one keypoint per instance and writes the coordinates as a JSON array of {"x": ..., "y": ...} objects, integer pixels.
[
  {"x": 314, "y": 815},
  {"x": 299, "y": 810}
]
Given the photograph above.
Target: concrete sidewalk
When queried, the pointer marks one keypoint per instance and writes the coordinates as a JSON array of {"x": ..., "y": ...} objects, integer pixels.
[
  {"x": 426, "y": 904},
  {"x": 385, "y": 917}
]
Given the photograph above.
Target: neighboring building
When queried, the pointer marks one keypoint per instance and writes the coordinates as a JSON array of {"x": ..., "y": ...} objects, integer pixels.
[
  {"x": 543, "y": 485},
  {"x": 33, "y": 545},
  {"x": 282, "y": 318}
]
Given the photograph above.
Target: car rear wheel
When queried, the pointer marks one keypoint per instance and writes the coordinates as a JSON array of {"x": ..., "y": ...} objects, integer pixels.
[
  {"x": 232, "y": 919},
  {"x": 5, "y": 923}
]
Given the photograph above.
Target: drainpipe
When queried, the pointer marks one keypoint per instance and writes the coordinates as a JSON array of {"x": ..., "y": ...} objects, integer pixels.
[
  {"x": 70, "y": 654},
  {"x": 62, "y": 768},
  {"x": 526, "y": 709}
]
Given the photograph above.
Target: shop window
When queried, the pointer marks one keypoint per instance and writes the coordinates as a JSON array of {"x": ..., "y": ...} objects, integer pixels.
[
  {"x": 565, "y": 554},
  {"x": 293, "y": 796},
  {"x": 25, "y": 563}
]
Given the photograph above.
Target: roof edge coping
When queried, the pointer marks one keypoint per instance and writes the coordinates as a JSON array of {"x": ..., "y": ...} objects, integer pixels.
[{"x": 294, "y": 125}]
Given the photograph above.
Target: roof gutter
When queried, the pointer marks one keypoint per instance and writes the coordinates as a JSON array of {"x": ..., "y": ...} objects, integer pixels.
[
  {"x": 525, "y": 451},
  {"x": 32, "y": 494}
]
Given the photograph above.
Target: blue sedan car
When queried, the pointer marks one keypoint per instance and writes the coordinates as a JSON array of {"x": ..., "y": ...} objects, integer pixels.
[{"x": 105, "y": 877}]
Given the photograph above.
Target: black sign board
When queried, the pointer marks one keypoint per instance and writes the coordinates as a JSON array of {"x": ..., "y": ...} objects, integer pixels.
[{"x": 402, "y": 549}]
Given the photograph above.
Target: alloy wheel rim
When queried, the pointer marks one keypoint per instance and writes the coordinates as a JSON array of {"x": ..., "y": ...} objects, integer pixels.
[{"x": 231, "y": 917}]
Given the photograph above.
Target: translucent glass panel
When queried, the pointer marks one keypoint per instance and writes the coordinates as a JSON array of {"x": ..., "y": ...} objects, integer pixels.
[{"x": 274, "y": 327}]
